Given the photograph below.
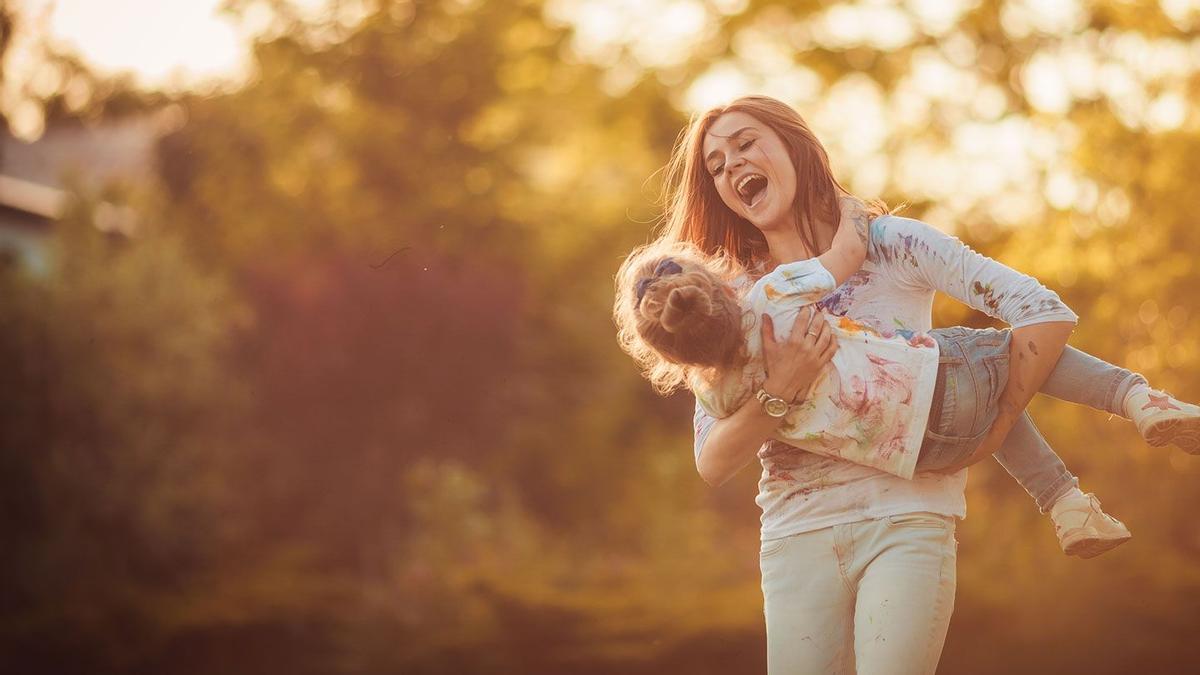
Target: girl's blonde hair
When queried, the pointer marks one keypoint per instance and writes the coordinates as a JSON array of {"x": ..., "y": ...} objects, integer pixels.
[
  {"x": 678, "y": 315},
  {"x": 695, "y": 212}
]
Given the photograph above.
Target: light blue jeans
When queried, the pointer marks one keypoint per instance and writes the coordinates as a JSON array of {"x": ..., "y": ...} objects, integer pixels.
[{"x": 972, "y": 373}]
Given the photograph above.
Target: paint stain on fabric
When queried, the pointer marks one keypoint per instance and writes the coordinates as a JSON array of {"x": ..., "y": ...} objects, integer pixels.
[
  {"x": 1051, "y": 304},
  {"x": 838, "y": 302},
  {"x": 907, "y": 249},
  {"x": 990, "y": 298},
  {"x": 797, "y": 473},
  {"x": 871, "y": 403},
  {"x": 892, "y": 377},
  {"x": 851, "y": 326}
]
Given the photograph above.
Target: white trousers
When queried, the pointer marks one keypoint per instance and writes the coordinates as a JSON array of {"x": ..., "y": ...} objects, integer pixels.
[{"x": 875, "y": 595}]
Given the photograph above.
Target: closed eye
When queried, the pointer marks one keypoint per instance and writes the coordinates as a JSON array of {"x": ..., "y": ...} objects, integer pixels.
[{"x": 716, "y": 171}]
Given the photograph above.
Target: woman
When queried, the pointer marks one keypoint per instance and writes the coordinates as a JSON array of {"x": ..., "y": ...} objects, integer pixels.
[{"x": 858, "y": 566}]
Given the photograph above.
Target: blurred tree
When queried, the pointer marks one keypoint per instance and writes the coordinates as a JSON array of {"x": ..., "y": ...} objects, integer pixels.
[
  {"x": 434, "y": 142},
  {"x": 113, "y": 370}
]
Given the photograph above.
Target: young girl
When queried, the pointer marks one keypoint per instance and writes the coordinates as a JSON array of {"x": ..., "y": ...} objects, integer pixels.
[{"x": 676, "y": 311}]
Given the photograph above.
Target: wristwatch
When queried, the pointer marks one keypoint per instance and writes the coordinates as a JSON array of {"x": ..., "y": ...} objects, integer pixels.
[{"x": 772, "y": 405}]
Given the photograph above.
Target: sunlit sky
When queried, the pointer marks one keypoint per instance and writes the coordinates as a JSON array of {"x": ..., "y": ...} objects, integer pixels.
[
  {"x": 994, "y": 155},
  {"x": 171, "y": 44},
  {"x": 158, "y": 40}
]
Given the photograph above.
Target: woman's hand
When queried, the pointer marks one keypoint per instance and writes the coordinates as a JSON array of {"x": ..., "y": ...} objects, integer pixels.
[{"x": 793, "y": 365}]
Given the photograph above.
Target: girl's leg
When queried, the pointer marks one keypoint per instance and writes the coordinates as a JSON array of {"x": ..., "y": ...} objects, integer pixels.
[
  {"x": 905, "y": 569},
  {"x": 1159, "y": 417},
  {"x": 1082, "y": 528},
  {"x": 808, "y": 604},
  {"x": 1081, "y": 378},
  {"x": 1027, "y": 457}
]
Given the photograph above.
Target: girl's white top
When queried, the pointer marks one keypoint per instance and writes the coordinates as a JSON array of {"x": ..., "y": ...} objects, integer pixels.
[
  {"x": 890, "y": 296},
  {"x": 864, "y": 405}
]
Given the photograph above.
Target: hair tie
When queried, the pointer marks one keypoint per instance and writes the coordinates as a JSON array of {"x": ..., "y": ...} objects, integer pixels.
[
  {"x": 667, "y": 266},
  {"x": 641, "y": 290}
]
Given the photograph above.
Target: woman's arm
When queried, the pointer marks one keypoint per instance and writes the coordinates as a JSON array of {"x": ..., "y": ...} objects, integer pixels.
[
  {"x": 1034, "y": 351},
  {"x": 1041, "y": 322},
  {"x": 730, "y": 443},
  {"x": 923, "y": 257}
]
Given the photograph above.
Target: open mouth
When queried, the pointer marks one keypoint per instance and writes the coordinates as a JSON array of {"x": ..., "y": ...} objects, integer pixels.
[{"x": 751, "y": 187}]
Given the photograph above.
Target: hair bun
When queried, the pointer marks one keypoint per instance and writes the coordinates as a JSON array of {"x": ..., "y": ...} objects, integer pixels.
[{"x": 685, "y": 304}]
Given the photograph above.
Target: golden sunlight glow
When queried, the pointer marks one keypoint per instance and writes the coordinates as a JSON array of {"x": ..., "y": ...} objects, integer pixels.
[
  {"x": 157, "y": 41},
  {"x": 658, "y": 33},
  {"x": 996, "y": 159}
]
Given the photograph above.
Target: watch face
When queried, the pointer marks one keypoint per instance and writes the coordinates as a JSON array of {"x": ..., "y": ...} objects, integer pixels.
[{"x": 776, "y": 407}]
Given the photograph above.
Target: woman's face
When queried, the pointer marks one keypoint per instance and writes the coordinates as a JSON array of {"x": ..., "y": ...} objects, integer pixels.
[{"x": 751, "y": 169}]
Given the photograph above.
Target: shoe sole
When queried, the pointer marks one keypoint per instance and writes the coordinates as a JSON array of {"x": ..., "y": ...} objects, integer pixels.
[
  {"x": 1184, "y": 433},
  {"x": 1090, "y": 547}
]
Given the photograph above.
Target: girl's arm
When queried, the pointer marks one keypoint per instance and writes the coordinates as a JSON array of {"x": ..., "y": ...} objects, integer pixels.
[
  {"x": 805, "y": 281},
  {"x": 724, "y": 446},
  {"x": 849, "y": 248}
]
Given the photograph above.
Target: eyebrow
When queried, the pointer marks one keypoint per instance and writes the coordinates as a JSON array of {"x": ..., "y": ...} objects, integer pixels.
[{"x": 732, "y": 136}]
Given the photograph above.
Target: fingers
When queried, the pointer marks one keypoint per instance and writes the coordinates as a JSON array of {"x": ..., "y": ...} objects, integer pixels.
[
  {"x": 801, "y": 327},
  {"x": 768, "y": 330},
  {"x": 824, "y": 340},
  {"x": 811, "y": 332},
  {"x": 827, "y": 353},
  {"x": 819, "y": 334},
  {"x": 824, "y": 332}
]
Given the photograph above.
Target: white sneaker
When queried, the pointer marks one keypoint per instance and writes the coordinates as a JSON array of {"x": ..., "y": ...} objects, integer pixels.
[
  {"x": 1083, "y": 528},
  {"x": 1162, "y": 419}
]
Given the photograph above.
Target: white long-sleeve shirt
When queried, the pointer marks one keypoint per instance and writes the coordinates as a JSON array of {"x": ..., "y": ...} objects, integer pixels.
[{"x": 907, "y": 261}]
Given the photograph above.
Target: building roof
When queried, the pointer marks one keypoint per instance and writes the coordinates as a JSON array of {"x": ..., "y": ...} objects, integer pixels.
[
  {"x": 33, "y": 175},
  {"x": 122, "y": 148},
  {"x": 32, "y": 198}
]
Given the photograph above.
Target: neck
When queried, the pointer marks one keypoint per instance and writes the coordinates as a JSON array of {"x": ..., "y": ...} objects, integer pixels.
[{"x": 786, "y": 245}]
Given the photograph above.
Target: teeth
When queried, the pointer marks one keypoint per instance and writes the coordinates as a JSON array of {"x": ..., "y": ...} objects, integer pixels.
[{"x": 741, "y": 184}]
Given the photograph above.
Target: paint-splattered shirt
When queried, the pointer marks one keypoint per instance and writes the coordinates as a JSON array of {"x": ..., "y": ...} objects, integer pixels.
[
  {"x": 907, "y": 261},
  {"x": 866, "y": 404}
]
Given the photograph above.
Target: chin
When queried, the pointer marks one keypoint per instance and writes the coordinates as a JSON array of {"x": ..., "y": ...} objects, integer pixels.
[{"x": 768, "y": 221}]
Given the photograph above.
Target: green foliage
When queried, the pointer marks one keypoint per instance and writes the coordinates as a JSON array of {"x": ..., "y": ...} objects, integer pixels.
[{"x": 116, "y": 389}]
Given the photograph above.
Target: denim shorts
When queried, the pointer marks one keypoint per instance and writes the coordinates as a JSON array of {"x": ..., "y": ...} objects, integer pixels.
[{"x": 972, "y": 373}]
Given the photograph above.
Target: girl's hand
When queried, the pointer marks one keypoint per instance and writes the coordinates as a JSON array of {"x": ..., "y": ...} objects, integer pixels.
[{"x": 793, "y": 365}]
